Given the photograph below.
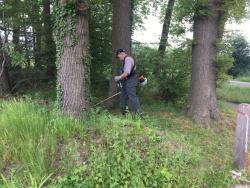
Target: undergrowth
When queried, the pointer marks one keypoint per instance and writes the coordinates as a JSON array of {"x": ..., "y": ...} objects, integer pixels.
[{"x": 39, "y": 147}]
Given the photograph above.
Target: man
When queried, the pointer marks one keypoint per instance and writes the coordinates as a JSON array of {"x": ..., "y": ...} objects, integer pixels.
[{"x": 129, "y": 80}]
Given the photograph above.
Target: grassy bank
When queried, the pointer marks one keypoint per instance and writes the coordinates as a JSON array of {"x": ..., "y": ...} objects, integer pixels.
[
  {"x": 40, "y": 147},
  {"x": 234, "y": 93},
  {"x": 243, "y": 78}
]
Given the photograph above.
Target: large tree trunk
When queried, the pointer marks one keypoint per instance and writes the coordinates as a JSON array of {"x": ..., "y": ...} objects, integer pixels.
[
  {"x": 4, "y": 78},
  {"x": 50, "y": 50},
  {"x": 71, "y": 70},
  {"x": 121, "y": 36},
  {"x": 165, "y": 28},
  {"x": 202, "y": 104}
]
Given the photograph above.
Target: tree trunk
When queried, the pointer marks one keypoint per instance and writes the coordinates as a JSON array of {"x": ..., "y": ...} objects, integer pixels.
[
  {"x": 202, "y": 104},
  {"x": 16, "y": 25},
  {"x": 16, "y": 36},
  {"x": 38, "y": 43},
  {"x": 4, "y": 78},
  {"x": 26, "y": 41},
  {"x": 71, "y": 70},
  {"x": 121, "y": 36},
  {"x": 37, "y": 33},
  {"x": 50, "y": 50},
  {"x": 166, "y": 26}
]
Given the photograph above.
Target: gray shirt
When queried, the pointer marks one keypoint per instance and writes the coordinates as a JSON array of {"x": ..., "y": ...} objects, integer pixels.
[{"x": 129, "y": 63}]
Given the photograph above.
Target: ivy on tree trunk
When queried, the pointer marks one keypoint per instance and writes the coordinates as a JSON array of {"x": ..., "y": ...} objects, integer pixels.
[{"x": 72, "y": 40}]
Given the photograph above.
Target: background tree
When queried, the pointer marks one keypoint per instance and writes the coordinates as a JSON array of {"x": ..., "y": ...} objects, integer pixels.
[
  {"x": 49, "y": 51},
  {"x": 241, "y": 55},
  {"x": 29, "y": 38},
  {"x": 4, "y": 77},
  {"x": 165, "y": 28},
  {"x": 121, "y": 35},
  {"x": 209, "y": 20},
  {"x": 37, "y": 35}
]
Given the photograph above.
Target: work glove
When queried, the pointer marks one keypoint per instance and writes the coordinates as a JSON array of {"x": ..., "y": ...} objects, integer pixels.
[{"x": 117, "y": 78}]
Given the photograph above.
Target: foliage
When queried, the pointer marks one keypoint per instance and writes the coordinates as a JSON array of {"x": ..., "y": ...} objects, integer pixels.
[
  {"x": 100, "y": 25},
  {"x": 17, "y": 17},
  {"x": 241, "y": 55},
  {"x": 237, "y": 9},
  {"x": 223, "y": 62},
  {"x": 17, "y": 59},
  {"x": 169, "y": 76},
  {"x": 141, "y": 9},
  {"x": 184, "y": 12},
  {"x": 182, "y": 17}
]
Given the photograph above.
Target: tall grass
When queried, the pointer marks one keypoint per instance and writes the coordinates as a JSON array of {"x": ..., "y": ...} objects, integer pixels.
[
  {"x": 28, "y": 140},
  {"x": 234, "y": 93},
  {"x": 41, "y": 147}
]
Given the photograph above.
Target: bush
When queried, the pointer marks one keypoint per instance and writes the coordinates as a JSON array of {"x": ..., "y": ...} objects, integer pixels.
[
  {"x": 169, "y": 76},
  {"x": 241, "y": 64}
]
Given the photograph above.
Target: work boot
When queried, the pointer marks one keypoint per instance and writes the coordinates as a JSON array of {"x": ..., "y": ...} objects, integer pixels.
[{"x": 125, "y": 110}]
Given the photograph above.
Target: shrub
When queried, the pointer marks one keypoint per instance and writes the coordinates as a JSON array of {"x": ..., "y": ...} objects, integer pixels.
[{"x": 169, "y": 76}]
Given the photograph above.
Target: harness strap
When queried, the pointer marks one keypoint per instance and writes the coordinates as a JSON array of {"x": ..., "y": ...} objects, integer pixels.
[{"x": 132, "y": 72}]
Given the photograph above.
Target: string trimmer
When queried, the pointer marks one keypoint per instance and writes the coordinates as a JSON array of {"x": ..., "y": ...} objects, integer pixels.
[{"x": 142, "y": 81}]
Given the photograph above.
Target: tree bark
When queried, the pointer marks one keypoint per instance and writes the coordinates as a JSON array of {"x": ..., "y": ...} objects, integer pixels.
[
  {"x": 71, "y": 70},
  {"x": 4, "y": 77},
  {"x": 165, "y": 28},
  {"x": 202, "y": 102},
  {"x": 50, "y": 50},
  {"x": 121, "y": 36}
]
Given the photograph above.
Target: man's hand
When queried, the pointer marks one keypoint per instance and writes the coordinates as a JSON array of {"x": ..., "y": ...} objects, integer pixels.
[{"x": 117, "y": 78}]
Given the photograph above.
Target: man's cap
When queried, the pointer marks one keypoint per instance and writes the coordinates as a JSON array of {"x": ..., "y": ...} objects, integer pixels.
[{"x": 120, "y": 50}]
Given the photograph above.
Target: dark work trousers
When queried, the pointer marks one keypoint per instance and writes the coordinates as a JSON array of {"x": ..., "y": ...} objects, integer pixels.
[{"x": 128, "y": 94}]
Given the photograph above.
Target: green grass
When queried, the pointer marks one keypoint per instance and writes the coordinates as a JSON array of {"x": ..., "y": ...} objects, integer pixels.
[
  {"x": 39, "y": 146},
  {"x": 28, "y": 138},
  {"x": 243, "y": 78},
  {"x": 234, "y": 93}
]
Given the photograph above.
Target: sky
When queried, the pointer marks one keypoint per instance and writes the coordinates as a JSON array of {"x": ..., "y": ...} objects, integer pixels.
[{"x": 153, "y": 29}]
